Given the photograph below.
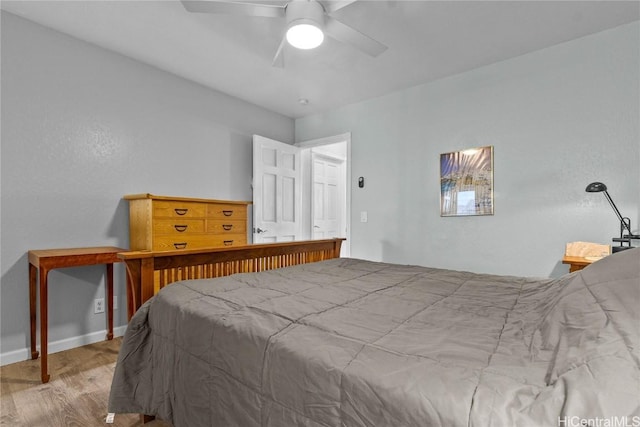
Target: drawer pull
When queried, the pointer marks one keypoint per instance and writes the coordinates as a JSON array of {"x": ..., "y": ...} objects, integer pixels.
[
  {"x": 180, "y": 245},
  {"x": 228, "y": 242},
  {"x": 227, "y": 213},
  {"x": 180, "y": 228},
  {"x": 227, "y": 227},
  {"x": 181, "y": 211}
]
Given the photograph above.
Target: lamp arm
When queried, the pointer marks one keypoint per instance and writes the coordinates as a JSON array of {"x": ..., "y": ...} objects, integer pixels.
[{"x": 625, "y": 224}]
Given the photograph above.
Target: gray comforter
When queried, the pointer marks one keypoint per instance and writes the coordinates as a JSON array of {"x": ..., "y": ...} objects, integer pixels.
[{"x": 348, "y": 342}]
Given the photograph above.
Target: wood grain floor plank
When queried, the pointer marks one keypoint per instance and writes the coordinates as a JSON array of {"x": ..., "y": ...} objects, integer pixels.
[{"x": 76, "y": 395}]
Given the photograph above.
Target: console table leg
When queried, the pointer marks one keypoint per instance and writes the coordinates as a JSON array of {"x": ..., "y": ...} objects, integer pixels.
[
  {"x": 109, "y": 292},
  {"x": 33, "y": 271},
  {"x": 44, "y": 327}
]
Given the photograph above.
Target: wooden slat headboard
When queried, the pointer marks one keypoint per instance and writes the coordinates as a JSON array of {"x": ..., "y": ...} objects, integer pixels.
[{"x": 146, "y": 268}]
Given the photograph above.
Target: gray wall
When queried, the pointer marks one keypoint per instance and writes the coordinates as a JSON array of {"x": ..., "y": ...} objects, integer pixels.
[
  {"x": 558, "y": 119},
  {"x": 81, "y": 127}
]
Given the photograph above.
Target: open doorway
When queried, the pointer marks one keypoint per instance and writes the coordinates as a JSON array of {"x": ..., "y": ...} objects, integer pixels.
[
  {"x": 301, "y": 191},
  {"x": 326, "y": 195}
]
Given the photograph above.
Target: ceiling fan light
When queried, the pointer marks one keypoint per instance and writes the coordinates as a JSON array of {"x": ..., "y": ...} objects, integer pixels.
[{"x": 305, "y": 36}]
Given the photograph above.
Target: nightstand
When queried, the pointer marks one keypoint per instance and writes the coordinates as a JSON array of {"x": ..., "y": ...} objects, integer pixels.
[{"x": 577, "y": 263}]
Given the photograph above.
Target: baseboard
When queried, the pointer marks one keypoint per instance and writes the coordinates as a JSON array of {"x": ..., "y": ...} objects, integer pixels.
[{"x": 65, "y": 344}]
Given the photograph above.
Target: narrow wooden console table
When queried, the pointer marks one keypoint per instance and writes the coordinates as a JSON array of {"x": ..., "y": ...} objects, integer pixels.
[{"x": 49, "y": 259}]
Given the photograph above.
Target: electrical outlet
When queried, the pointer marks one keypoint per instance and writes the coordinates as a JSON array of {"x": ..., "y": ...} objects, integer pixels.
[
  {"x": 98, "y": 306},
  {"x": 115, "y": 302}
]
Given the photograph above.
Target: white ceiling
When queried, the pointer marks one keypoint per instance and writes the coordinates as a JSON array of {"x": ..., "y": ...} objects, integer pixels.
[{"x": 427, "y": 40}]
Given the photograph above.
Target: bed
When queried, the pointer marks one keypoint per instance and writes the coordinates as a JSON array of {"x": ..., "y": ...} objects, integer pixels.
[{"x": 349, "y": 342}]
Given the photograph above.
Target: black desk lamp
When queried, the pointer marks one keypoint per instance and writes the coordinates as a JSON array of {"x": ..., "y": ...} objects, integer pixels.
[{"x": 625, "y": 223}]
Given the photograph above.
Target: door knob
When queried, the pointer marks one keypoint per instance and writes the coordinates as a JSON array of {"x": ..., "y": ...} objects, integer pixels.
[{"x": 260, "y": 230}]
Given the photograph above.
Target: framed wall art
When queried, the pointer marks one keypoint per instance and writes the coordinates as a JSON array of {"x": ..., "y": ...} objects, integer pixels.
[{"x": 466, "y": 182}]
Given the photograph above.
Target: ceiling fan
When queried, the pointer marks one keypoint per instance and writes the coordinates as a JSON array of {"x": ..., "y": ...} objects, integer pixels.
[{"x": 307, "y": 22}]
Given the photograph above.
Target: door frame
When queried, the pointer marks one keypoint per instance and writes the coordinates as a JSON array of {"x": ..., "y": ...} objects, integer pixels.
[{"x": 330, "y": 140}]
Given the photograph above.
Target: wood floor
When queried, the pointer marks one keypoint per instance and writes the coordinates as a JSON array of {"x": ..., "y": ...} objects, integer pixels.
[{"x": 76, "y": 395}]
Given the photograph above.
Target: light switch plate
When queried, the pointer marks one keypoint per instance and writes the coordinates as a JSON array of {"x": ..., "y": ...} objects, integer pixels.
[{"x": 363, "y": 216}]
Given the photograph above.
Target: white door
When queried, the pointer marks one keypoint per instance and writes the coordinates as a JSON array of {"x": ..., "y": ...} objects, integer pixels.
[
  {"x": 338, "y": 147},
  {"x": 328, "y": 196},
  {"x": 276, "y": 191}
]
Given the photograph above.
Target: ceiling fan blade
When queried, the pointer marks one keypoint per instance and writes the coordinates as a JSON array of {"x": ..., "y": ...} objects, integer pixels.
[
  {"x": 346, "y": 34},
  {"x": 333, "y": 5},
  {"x": 234, "y": 8},
  {"x": 278, "y": 59}
]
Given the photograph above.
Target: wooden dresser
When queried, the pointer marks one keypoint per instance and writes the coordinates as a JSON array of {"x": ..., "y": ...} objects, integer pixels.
[{"x": 161, "y": 223}]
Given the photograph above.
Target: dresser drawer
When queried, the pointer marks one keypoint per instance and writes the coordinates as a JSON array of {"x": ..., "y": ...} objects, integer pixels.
[
  {"x": 226, "y": 226},
  {"x": 228, "y": 211},
  {"x": 178, "y": 209},
  {"x": 178, "y": 226},
  {"x": 195, "y": 241}
]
